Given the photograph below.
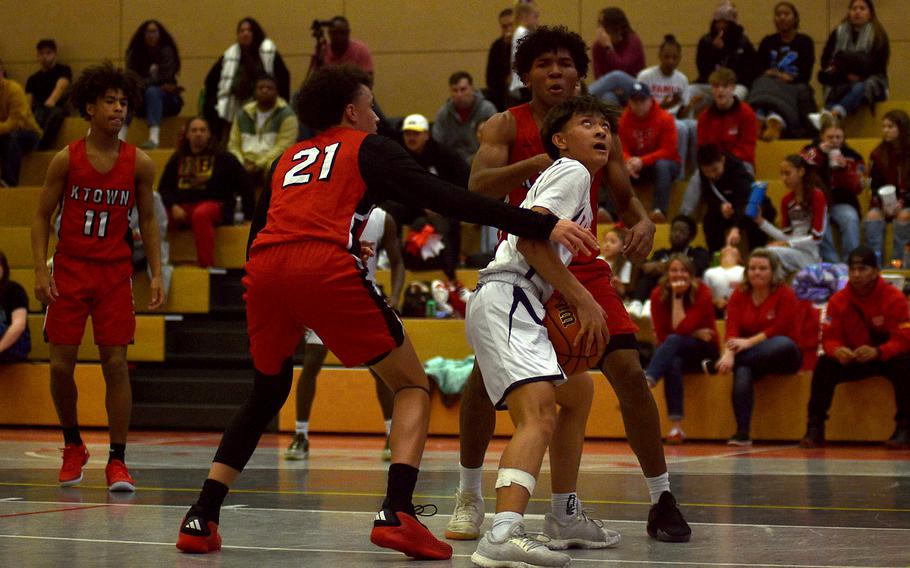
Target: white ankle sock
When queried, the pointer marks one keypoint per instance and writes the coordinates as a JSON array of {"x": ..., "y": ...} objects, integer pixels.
[
  {"x": 388, "y": 428},
  {"x": 657, "y": 485},
  {"x": 302, "y": 428},
  {"x": 154, "y": 133},
  {"x": 469, "y": 479},
  {"x": 565, "y": 506},
  {"x": 502, "y": 524}
]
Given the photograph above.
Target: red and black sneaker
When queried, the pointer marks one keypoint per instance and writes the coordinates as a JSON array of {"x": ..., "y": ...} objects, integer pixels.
[
  {"x": 197, "y": 534},
  {"x": 74, "y": 459},
  {"x": 402, "y": 532}
]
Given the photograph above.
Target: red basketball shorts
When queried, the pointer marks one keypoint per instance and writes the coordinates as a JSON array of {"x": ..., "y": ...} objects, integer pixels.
[
  {"x": 103, "y": 290},
  {"x": 595, "y": 276},
  {"x": 319, "y": 286}
]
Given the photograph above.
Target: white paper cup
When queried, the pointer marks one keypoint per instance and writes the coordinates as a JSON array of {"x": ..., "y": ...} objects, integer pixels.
[
  {"x": 888, "y": 195},
  {"x": 833, "y": 156}
]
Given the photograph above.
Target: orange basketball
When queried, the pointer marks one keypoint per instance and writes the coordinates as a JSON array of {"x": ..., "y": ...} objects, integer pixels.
[{"x": 562, "y": 327}]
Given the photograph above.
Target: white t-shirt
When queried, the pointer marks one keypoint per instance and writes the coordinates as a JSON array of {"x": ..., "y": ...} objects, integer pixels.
[
  {"x": 723, "y": 281},
  {"x": 564, "y": 190},
  {"x": 373, "y": 231},
  {"x": 663, "y": 87},
  {"x": 261, "y": 117}
]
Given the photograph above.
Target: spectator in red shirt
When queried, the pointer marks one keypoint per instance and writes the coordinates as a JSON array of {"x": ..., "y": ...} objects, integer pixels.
[
  {"x": 866, "y": 334},
  {"x": 648, "y": 135},
  {"x": 729, "y": 122},
  {"x": 344, "y": 50},
  {"x": 617, "y": 56},
  {"x": 761, "y": 338},
  {"x": 683, "y": 316}
]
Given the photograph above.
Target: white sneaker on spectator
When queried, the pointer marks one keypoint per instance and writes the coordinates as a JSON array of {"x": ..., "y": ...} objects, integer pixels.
[
  {"x": 466, "y": 518},
  {"x": 581, "y": 532},
  {"x": 646, "y": 310},
  {"x": 635, "y": 308},
  {"x": 518, "y": 549}
]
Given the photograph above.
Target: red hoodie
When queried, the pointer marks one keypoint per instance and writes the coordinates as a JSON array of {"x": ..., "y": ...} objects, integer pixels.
[
  {"x": 733, "y": 130},
  {"x": 699, "y": 315},
  {"x": 650, "y": 138},
  {"x": 774, "y": 316},
  {"x": 885, "y": 310}
]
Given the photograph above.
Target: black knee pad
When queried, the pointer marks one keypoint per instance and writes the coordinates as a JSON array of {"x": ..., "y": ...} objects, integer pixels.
[{"x": 244, "y": 430}]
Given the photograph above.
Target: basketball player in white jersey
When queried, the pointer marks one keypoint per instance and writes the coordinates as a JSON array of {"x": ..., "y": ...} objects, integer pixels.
[{"x": 504, "y": 324}]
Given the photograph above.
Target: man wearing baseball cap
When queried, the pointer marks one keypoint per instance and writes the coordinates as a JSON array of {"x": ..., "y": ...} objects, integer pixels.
[
  {"x": 649, "y": 143},
  {"x": 444, "y": 163},
  {"x": 866, "y": 334}
]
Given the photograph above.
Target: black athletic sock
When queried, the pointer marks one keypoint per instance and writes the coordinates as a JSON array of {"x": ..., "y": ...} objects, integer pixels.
[
  {"x": 118, "y": 452},
  {"x": 400, "y": 491},
  {"x": 211, "y": 498},
  {"x": 72, "y": 436}
]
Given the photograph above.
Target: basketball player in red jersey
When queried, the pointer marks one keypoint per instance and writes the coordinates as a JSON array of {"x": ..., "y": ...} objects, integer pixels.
[
  {"x": 305, "y": 271},
  {"x": 552, "y": 61},
  {"x": 95, "y": 181}
]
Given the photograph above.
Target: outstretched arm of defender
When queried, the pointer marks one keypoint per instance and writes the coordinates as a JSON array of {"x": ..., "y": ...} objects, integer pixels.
[
  {"x": 148, "y": 226},
  {"x": 640, "y": 237},
  {"x": 45, "y": 288},
  {"x": 491, "y": 173}
]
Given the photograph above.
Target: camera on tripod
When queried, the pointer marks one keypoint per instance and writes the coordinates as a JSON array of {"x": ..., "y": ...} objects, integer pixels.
[{"x": 317, "y": 26}]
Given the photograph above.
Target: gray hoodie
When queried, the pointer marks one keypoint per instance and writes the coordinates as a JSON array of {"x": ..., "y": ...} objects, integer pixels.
[{"x": 450, "y": 131}]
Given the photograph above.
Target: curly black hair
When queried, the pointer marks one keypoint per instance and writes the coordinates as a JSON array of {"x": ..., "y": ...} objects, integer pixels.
[
  {"x": 561, "y": 114},
  {"x": 98, "y": 79},
  {"x": 138, "y": 56},
  {"x": 549, "y": 40},
  {"x": 328, "y": 91}
]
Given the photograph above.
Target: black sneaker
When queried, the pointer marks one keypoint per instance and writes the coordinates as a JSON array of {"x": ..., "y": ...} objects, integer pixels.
[
  {"x": 709, "y": 366},
  {"x": 900, "y": 440},
  {"x": 665, "y": 521},
  {"x": 741, "y": 439},
  {"x": 198, "y": 534},
  {"x": 814, "y": 438},
  {"x": 299, "y": 448}
]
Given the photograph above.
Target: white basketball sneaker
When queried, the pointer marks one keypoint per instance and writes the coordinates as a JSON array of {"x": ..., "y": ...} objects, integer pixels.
[
  {"x": 516, "y": 549},
  {"x": 466, "y": 518},
  {"x": 581, "y": 532}
]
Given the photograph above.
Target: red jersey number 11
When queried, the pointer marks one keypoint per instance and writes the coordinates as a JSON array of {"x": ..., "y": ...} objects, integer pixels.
[{"x": 309, "y": 157}]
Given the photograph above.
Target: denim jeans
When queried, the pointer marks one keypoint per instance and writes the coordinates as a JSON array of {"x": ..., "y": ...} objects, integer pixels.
[
  {"x": 847, "y": 220},
  {"x": 671, "y": 358},
  {"x": 875, "y": 237},
  {"x": 662, "y": 173},
  {"x": 158, "y": 103},
  {"x": 13, "y": 146},
  {"x": 778, "y": 354},
  {"x": 614, "y": 87},
  {"x": 851, "y": 101},
  {"x": 686, "y": 144}
]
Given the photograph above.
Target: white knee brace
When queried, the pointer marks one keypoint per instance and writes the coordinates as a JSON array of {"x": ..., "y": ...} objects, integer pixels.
[{"x": 508, "y": 476}]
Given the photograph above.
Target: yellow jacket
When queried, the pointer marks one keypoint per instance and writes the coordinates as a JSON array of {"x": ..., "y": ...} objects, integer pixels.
[{"x": 15, "y": 114}]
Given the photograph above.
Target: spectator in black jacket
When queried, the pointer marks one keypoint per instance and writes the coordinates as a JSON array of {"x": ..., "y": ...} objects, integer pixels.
[
  {"x": 499, "y": 62},
  {"x": 47, "y": 91},
  {"x": 447, "y": 165},
  {"x": 15, "y": 342},
  {"x": 725, "y": 45},
  {"x": 200, "y": 187},
  {"x": 854, "y": 67},
  {"x": 781, "y": 95},
  {"x": 726, "y": 184},
  {"x": 152, "y": 54}
]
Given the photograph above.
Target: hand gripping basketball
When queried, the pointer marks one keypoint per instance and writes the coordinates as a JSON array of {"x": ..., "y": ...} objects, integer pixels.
[{"x": 563, "y": 326}]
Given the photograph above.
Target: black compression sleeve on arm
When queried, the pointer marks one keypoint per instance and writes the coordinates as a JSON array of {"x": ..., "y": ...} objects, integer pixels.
[
  {"x": 261, "y": 215},
  {"x": 391, "y": 174}
]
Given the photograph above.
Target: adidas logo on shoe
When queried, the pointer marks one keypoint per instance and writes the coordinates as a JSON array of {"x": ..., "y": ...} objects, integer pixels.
[{"x": 193, "y": 524}]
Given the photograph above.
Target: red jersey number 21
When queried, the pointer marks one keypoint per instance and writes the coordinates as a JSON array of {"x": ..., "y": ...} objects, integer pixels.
[{"x": 309, "y": 157}]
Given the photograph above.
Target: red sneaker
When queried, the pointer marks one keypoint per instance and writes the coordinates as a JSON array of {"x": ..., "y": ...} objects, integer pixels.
[
  {"x": 118, "y": 477},
  {"x": 198, "y": 535},
  {"x": 402, "y": 532},
  {"x": 74, "y": 458}
]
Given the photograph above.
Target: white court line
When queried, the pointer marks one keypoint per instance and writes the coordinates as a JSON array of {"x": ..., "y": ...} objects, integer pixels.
[
  {"x": 388, "y": 553},
  {"x": 533, "y": 517}
]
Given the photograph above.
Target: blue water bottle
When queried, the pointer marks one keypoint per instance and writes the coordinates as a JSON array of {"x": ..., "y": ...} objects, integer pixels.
[{"x": 753, "y": 207}]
